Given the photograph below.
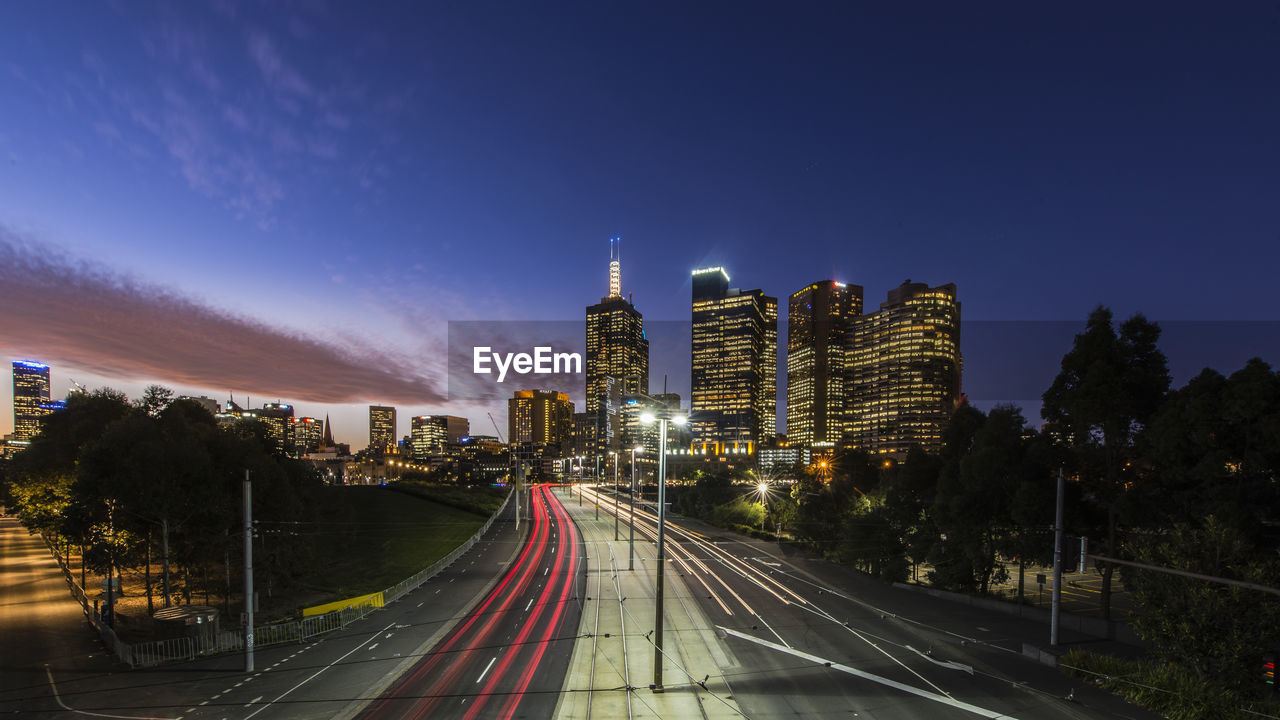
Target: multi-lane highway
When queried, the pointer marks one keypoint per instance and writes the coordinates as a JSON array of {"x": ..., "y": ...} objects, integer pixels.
[
  {"x": 815, "y": 640},
  {"x": 508, "y": 657}
]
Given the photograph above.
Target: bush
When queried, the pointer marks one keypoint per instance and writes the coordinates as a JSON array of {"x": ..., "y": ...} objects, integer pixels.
[{"x": 1170, "y": 690}]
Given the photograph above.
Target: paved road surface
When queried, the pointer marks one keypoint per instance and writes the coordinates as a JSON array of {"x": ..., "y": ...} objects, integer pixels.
[
  {"x": 892, "y": 653},
  {"x": 509, "y": 657}
]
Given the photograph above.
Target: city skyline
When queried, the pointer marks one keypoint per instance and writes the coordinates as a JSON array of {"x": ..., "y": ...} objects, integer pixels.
[{"x": 214, "y": 197}]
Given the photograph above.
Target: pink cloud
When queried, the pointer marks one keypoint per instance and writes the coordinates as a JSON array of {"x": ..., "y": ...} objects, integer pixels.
[{"x": 87, "y": 316}]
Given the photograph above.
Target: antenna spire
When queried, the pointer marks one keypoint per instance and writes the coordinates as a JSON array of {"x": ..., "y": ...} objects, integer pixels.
[{"x": 615, "y": 267}]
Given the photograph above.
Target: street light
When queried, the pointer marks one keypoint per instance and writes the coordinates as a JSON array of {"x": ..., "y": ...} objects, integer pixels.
[
  {"x": 662, "y": 416},
  {"x": 763, "y": 490},
  {"x": 631, "y": 521}
]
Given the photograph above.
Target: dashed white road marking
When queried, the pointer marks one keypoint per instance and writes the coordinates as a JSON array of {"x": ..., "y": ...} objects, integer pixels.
[
  {"x": 486, "y": 669},
  {"x": 251, "y": 702}
]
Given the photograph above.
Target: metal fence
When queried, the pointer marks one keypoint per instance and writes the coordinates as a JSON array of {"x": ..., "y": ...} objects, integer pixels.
[{"x": 157, "y": 652}]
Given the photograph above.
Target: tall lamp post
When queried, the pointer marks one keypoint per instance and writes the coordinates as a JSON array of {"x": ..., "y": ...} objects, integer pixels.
[
  {"x": 631, "y": 520},
  {"x": 663, "y": 416},
  {"x": 616, "y": 457}
]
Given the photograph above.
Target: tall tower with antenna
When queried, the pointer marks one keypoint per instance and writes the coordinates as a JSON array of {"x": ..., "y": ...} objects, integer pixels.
[
  {"x": 615, "y": 267},
  {"x": 617, "y": 361}
]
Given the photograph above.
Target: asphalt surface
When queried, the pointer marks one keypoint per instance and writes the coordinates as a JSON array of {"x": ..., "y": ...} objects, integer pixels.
[
  {"x": 812, "y": 639},
  {"x": 509, "y": 657},
  {"x": 335, "y": 676}
]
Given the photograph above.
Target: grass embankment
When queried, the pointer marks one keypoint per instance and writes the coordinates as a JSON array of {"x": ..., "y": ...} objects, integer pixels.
[
  {"x": 1171, "y": 691},
  {"x": 374, "y": 538}
]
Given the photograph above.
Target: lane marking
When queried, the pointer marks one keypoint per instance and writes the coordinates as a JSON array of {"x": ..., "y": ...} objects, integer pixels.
[
  {"x": 54, "y": 687},
  {"x": 486, "y": 669},
  {"x": 995, "y": 715},
  {"x": 371, "y": 647},
  {"x": 317, "y": 673},
  {"x": 251, "y": 702},
  {"x": 526, "y": 607}
]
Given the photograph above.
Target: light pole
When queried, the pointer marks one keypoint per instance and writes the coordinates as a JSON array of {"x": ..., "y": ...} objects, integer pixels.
[
  {"x": 616, "y": 457},
  {"x": 595, "y": 487},
  {"x": 662, "y": 417},
  {"x": 631, "y": 520},
  {"x": 763, "y": 489}
]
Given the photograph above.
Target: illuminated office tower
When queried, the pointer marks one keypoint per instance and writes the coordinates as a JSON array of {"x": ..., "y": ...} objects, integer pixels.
[
  {"x": 617, "y": 363},
  {"x": 382, "y": 429},
  {"x": 430, "y": 434},
  {"x": 904, "y": 371},
  {"x": 818, "y": 323},
  {"x": 30, "y": 398},
  {"x": 542, "y": 417},
  {"x": 307, "y": 432},
  {"x": 734, "y": 378},
  {"x": 278, "y": 418}
]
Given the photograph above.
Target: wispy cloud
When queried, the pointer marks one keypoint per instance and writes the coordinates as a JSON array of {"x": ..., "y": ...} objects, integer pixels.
[
  {"x": 279, "y": 75},
  {"x": 87, "y": 316}
]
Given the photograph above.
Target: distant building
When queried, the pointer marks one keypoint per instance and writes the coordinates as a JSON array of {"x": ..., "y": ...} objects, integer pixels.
[
  {"x": 278, "y": 417},
  {"x": 307, "y": 434},
  {"x": 205, "y": 402},
  {"x": 539, "y": 416},
  {"x": 617, "y": 362},
  {"x": 30, "y": 398},
  {"x": 382, "y": 429},
  {"x": 430, "y": 434},
  {"x": 904, "y": 371},
  {"x": 734, "y": 373},
  {"x": 818, "y": 323}
]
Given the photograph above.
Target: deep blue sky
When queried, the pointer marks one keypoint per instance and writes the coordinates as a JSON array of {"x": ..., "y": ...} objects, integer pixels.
[{"x": 356, "y": 175}]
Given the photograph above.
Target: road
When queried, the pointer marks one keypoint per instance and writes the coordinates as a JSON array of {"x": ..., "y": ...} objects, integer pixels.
[
  {"x": 811, "y": 639},
  {"x": 509, "y": 657},
  {"x": 333, "y": 676}
]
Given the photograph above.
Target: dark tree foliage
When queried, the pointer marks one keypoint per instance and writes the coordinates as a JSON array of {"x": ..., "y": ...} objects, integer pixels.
[
  {"x": 1109, "y": 387},
  {"x": 112, "y": 477},
  {"x": 1218, "y": 631},
  {"x": 1214, "y": 449}
]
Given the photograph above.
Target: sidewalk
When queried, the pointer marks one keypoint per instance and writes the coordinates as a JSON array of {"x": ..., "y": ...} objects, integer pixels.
[
  {"x": 614, "y": 651},
  {"x": 40, "y": 624}
]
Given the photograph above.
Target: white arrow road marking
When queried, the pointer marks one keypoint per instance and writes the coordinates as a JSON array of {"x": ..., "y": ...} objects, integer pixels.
[
  {"x": 948, "y": 664},
  {"x": 873, "y": 678}
]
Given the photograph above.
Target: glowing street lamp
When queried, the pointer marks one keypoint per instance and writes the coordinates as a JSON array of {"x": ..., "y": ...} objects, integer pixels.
[{"x": 663, "y": 417}]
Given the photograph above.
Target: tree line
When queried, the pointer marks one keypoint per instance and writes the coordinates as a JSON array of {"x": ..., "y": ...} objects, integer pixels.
[
  {"x": 1185, "y": 478},
  {"x": 123, "y": 481}
]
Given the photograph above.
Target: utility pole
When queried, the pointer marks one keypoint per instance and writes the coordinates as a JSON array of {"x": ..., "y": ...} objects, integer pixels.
[
  {"x": 662, "y": 524},
  {"x": 1058, "y": 541},
  {"x": 248, "y": 574},
  {"x": 616, "y": 457}
]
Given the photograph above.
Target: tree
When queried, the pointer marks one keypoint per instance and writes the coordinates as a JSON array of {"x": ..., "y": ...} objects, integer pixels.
[
  {"x": 1109, "y": 387},
  {"x": 1215, "y": 630},
  {"x": 1214, "y": 449},
  {"x": 155, "y": 398}
]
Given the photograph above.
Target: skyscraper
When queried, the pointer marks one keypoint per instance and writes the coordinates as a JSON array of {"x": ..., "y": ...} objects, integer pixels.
[
  {"x": 734, "y": 378},
  {"x": 542, "y": 417},
  {"x": 818, "y": 323},
  {"x": 306, "y": 435},
  {"x": 904, "y": 370},
  {"x": 431, "y": 433},
  {"x": 617, "y": 357},
  {"x": 30, "y": 398},
  {"x": 278, "y": 417},
  {"x": 382, "y": 429}
]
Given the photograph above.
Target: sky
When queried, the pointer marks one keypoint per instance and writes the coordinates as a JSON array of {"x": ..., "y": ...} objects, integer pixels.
[{"x": 291, "y": 201}]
